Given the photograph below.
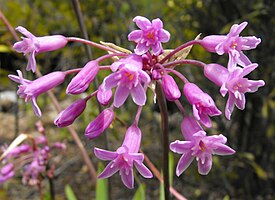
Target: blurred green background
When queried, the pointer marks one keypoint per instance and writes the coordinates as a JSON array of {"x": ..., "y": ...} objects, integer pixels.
[{"x": 249, "y": 174}]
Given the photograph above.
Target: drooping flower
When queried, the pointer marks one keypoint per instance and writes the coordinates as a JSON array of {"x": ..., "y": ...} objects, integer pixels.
[
  {"x": 233, "y": 45},
  {"x": 32, "y": 45},
  {"x": 128, "y": 76},
  {"x": 149, "y": 35},
  {"x": 83, "y": 79},
  {"x": 125, "y": 158},
  {"x": 199, "y": 146},
  {"x": 234, "y": 83},
  {"x": 170, "y": 88},
  {"x": 30, "y": 90},
  {"x": 203, "y": 105},
  {"x": 100, "y": 123},
  {"x": 68, "y": 116}
]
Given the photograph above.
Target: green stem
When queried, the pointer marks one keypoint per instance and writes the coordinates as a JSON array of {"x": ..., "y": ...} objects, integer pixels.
[{"x": 165, "y": 139}]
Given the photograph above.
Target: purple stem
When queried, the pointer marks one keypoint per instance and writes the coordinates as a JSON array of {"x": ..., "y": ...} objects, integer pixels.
[
  {"x": 186, "y": 61},
  {"x": 178, "y": 74}
]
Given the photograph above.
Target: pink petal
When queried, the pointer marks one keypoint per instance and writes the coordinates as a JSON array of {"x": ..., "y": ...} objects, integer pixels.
[
  {"x": 104, "y": 154},
  {"x": 157, "y": 48},
  {"x": 121, "y": 95},
  {"x": 35, "y": 107},
  {"x": 157, "y": 23},
  {"x": 229, "y": 106},
  {"x": 181, "y": 147},
  {"x": 141, "y": 48},
  {"x": 164, "y": 36},
  {"x": 31, "y": 62},
  {"x": 142, "y": 22},
  {"x": 196, "y": 112},
  {"x": 143, "y": 170},
  {"x": 243, "y": 60},
  {"x": 223, "y": 150},
  {"x": 127, "y": 177},
  {"x": 110, "y": 81},
  {"x": 205, "y": 120},
  {"x": 184, "y": 163},
  {"x": 240, "y": 103},
  {"x": 25, "y": 32},
  {"x": 189, "y": 127},
  {"x": 248, "y": 69},
  {"x": 254, "y": 85},
  {"x": 138, "y": 94},
  {"x": 250, "y": 42},
  {"x": 135, "y": 36},
  {"x": 110, "y": 170},
  {"x": 205, "y": 168}
]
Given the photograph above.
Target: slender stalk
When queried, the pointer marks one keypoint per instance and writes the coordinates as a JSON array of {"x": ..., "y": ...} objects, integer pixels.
[
  {"x": 165, "y": 139},
  {"x": 187, "y": 44},
  {"x": 185, "y": 61},
  {"x": 178, "y": 74},
  {"x": 52, "y": 190}
]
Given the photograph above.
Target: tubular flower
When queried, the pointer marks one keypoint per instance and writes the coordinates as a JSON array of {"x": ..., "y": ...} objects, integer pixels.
[
  {"x": 170, "y": 88},
  {"x": 31, "y": 89},
  {"x": 233, "y": 45},
  {"x": 100, "y": 123},
  {"x": 67, "y": 116},
  {"x": 125, "y": 158},
  {"x": 32, "y": 45},
  {"x": 83, "y": 79},
  {"x": 234, "y": 83},
  {"x": 198, "y": 145},
  {"x": 128, "y": 78},
  {"x": 203, "y": 104},
  {"x": 149, "y": 35},
  {"x": 6, "y": 172}
]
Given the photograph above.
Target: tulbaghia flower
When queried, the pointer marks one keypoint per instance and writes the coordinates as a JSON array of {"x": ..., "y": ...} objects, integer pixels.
[
  {"x": 32, "y": 45},
  {"x": 128, "y": 78},
  {"x": 233, "y": 45},
  {"x": 83, "y": 79},
  {"x": 234, "y": 83},
  {"x": 125, "y": 158},
  {"x": 203, "y": 104},
  {"x": 170, "y": 88},
  {"x": 104, "y": 96},
  {"x": 6, "y": 172},
  {"x": 150, "y": 35},
  {"x": 198, "y": 145},
  {"x": 67, "y": 116},
  {"x": 100, "y": 123},
  {"x": 31, "y": 89}
]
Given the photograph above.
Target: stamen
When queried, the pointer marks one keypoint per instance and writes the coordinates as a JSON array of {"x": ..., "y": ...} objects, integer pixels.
[{"x": 150, "y": 35}]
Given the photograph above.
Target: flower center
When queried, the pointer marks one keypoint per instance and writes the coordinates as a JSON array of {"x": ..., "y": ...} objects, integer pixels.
[
  {"x": 234, "y": 45},
  {"x": 237, "y": 86},
  {"x": 150, "y": 35},
  {"x": 202, "y": 146},
  {"x": 129, "y": 75}
]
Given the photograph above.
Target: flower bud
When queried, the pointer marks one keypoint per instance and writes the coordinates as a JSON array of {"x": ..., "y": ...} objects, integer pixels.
[
  {"x": 211, "y": 42},
  {"x": 170, "y": 88},
  {"x": 67, "y": 116},
  {"x": 216, "y": 73},
  {"x": 83, "y": 79},
  {"x": 104, "y": 96},
  {"x": 100, "y": 123}
]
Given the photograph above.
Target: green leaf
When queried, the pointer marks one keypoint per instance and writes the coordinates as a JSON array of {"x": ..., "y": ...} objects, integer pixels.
[
  {"x": 171, "y": 167},
  {"x": 69, "y": 193},
  {"x": 101, "y": 186},
  {"x": 161, "y": 193},
  {"x": 140, "y": 193}
]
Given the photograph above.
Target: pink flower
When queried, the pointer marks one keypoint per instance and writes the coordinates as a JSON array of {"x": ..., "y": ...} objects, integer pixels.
[
  {"x": 170, "y": 88},
  {"x": 83, "y": 79},
  {"x": 125, "y": 158},
  {"x": 31, "y": 89},
  {"x": 32, "y": 45},
  {"x": 68, "y": 116},
  {"x": 100, "y": 123},
  {"x": 150, "y": 35},
  {"x": 6, "y": 172},
  {"x": 234, "y": 83},
  {"x": 104, "y": 96},
  {"x": 128, "y": 76},
  {"x": 198, "y": 145},
  {"x": 203, "y": 104},
  {"x": 233, "y": 45}
]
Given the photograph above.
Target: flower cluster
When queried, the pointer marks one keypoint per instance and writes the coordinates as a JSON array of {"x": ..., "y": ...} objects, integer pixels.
[
  {"x": 31, "y": 158},
  {"x": 132, "y": 74}
]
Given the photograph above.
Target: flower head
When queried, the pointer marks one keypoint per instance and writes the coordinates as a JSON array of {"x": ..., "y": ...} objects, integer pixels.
[
  {"x": 125, "y": 158},
  {"x": 128, "y": 77},
  {"x": 31, "y": 89},
  {"x": 198, "y": 145},
  {"x": 149, "y": 35},
  {"x": 233, "y": 45},
  {"x": 32, "y": 45},
  {"x": 203, "y": 104},
  {"x": 234, "y": 83}
]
